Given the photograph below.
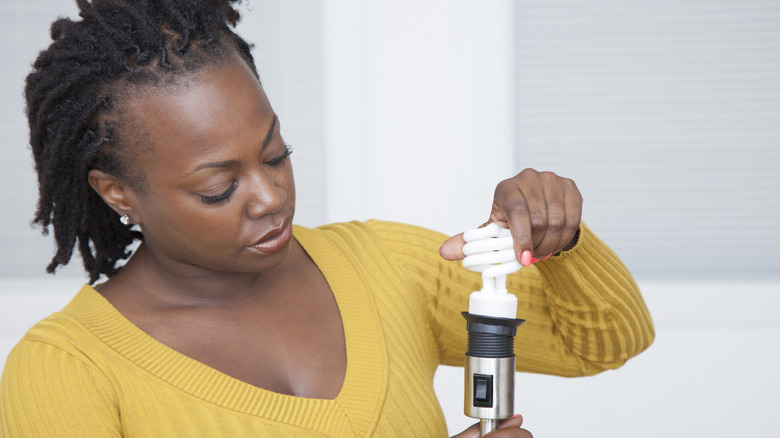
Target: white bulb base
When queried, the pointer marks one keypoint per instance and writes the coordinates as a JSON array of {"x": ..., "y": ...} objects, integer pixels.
[{"x": 499, "y": 304}]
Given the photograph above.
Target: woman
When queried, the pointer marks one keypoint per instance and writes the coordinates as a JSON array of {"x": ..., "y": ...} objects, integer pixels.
[{"x": 228, "y": 320}]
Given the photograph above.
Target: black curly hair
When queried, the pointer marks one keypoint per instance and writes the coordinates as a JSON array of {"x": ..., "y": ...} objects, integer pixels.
[{"x": 74, "y": 96}]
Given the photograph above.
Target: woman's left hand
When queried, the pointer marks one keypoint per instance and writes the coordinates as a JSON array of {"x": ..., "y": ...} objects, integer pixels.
[
  {"x": 541, "y": 209},
  {"x": 510, "y": 427}
]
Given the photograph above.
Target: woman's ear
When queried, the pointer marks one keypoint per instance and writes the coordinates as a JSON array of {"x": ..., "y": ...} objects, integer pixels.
[{"x": 116, "y": 194}]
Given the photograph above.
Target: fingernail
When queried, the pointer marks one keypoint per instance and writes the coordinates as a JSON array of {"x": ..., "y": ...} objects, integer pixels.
[
  {"x": 525, "y": 258},
  {"x": 515, "y": 416}
]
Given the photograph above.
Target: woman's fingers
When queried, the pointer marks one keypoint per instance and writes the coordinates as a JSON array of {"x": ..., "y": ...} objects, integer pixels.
[
  {"x": 452, "y": 248},
  {"x": 541, "y": 209},
  {"x": 509, "y": 428}
]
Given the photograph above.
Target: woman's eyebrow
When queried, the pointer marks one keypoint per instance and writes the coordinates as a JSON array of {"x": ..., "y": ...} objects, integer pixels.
[
  {"x": 217, "y": 164},
  {"x": 229, "y": 163},
  {"x": 270, "y": 134}
]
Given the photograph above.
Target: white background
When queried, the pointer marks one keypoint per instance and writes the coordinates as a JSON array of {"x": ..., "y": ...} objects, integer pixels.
[{"x": 667, "y": 114}]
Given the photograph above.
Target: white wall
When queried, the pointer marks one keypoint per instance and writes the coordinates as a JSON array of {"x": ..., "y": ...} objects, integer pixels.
[{"x": 418, "y": 109}]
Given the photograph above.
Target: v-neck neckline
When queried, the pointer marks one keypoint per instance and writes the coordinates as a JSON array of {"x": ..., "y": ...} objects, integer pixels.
[{"x": 365, "y": 382}]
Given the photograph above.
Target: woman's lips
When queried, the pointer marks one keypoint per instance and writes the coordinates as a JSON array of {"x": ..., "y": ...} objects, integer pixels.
[{"x": 274, "y": 243}]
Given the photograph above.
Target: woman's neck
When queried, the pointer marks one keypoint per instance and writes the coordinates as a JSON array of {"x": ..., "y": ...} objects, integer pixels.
[{"x": 147, "y": 281}]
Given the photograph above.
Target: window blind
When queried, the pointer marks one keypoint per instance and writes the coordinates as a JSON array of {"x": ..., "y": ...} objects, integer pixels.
[{"x": 667, "y": 114}]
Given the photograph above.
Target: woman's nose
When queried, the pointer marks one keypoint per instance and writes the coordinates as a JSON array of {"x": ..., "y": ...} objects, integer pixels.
[{"x": 266, "y": 197}]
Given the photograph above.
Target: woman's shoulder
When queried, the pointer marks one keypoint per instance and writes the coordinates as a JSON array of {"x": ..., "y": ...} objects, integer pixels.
[
  {"x": 375, "y": 239},
  {"x": 66, "y": 331}
]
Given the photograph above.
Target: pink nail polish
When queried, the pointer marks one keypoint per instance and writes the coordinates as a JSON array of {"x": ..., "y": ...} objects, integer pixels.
[{"x": 525, "y": 258}]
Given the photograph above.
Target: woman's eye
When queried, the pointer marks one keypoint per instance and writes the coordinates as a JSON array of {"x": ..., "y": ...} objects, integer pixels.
[
  {"x": 281, "y": 158},
  {"x": 222, "y": 197}
]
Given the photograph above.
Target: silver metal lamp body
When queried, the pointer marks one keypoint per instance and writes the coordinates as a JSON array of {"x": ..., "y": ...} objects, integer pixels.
[
  {"x": 489, "y": 387},
  {"x": 494, "y": 403}
]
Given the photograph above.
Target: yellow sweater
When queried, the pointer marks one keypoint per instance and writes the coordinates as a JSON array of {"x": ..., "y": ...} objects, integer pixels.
[{"x": 89, "y": 372}]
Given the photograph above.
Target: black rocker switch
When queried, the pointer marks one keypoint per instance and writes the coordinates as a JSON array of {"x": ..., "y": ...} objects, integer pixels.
[{"x": 483, "y": 390}]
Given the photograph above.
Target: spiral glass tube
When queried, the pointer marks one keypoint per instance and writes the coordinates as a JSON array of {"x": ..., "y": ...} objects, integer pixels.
[{"x": 490, "y": 251}]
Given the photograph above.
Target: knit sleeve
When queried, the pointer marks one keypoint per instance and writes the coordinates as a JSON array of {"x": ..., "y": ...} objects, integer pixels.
[
  {"x": 47, "y": 392},
  {"x": 589, "y": 309},
  {"x": 584, "y": 313}
]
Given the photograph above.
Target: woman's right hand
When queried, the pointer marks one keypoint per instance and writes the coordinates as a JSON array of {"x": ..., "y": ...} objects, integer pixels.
[{"x": 506, "y": 429}]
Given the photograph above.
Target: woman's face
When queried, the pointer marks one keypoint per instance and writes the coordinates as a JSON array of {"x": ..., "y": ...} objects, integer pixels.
[{"x": 219, "y": 193}]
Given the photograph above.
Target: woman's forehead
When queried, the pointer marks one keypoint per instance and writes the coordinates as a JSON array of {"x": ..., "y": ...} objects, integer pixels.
[{"x": 208, "y": 109}]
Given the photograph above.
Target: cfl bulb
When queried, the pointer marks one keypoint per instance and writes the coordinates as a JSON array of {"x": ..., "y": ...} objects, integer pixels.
[{"x": 490, "y": 251}]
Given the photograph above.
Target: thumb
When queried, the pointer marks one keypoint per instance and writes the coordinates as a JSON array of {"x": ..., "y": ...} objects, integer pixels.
[{"x": 452, "y": 248}]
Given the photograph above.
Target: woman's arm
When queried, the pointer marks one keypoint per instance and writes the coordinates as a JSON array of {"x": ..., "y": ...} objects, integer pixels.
[{"x": 583, "y": 309}]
